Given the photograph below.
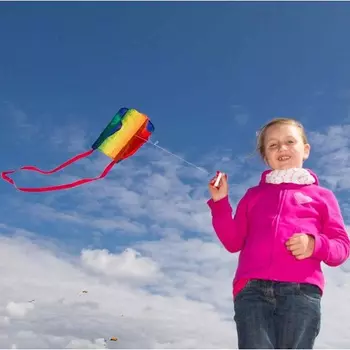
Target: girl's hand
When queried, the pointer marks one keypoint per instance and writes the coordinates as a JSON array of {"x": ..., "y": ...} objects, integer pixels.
[
  {"x": 221, "y": 191},
  {"x": 301, "y": 245}
]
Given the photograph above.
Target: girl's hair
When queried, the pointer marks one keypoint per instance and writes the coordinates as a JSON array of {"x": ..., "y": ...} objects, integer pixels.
[{"x": 262, "y": 132}]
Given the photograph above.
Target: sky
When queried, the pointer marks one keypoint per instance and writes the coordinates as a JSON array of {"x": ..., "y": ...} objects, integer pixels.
[{"x": 140, "y": 241}]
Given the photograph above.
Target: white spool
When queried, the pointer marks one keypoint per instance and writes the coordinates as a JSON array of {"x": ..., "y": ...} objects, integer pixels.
[{"x": 217, "y": 181}]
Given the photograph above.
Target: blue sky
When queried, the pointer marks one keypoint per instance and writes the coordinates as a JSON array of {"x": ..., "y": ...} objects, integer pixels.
[{"x": 209, "y": 75}]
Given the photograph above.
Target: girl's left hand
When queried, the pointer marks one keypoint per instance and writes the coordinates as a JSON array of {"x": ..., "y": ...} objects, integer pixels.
[{"x": 301, "y": 245}]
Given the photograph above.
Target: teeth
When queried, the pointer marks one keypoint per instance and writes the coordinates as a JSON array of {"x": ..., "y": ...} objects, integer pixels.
[{"x": 283, "y": 158}]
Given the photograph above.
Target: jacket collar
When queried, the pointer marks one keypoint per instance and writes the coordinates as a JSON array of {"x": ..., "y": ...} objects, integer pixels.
[{"x": 298, "y": 176}]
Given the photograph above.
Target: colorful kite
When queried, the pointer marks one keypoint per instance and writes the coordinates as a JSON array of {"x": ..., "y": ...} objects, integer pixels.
[{"x": 123, "y": 137}]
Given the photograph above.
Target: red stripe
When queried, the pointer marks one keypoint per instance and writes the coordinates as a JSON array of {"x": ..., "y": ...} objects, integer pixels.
[{"x": 5, "y": 176}]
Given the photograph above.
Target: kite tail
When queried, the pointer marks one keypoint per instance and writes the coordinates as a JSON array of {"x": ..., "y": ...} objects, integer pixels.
[{"x": 5, "y": 174}]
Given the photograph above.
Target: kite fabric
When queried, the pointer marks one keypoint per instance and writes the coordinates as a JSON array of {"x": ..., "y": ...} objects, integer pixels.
[{"x": 123, "y": 137}]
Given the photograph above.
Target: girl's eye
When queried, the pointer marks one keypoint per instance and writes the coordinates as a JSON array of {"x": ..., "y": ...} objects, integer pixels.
[
  {"x": 290, "y": 141},
  {"x": 272, "y": 145}
]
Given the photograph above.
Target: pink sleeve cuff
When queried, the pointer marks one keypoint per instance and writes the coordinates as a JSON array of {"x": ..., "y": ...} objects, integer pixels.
[
  {"x": 321, "y": 249},
  {"x": 220, "y": 206}
]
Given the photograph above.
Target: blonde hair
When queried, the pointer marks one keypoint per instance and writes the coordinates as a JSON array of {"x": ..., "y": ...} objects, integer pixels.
[{"x": 262, "y": 132}]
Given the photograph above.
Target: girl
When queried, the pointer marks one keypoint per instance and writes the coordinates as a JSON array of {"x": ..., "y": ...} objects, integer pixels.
[{"x": 284, "y": 228}]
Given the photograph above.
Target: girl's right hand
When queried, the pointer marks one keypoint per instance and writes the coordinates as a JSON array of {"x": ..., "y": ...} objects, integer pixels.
[{"x": 221, "y": 191}]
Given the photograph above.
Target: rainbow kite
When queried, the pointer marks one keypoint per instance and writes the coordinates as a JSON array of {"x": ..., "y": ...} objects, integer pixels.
[{"x": 123, "y": 137}]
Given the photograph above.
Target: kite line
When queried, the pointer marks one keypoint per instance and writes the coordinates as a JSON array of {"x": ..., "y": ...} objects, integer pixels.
[{"x": 173, "y": 154}]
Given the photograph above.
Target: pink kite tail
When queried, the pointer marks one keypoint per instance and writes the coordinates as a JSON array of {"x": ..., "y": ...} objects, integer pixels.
[{"x": 5, "y": 174}]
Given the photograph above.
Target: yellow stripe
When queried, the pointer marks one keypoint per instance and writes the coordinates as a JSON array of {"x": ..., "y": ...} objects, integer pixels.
[{"x": 132, "y": 122}]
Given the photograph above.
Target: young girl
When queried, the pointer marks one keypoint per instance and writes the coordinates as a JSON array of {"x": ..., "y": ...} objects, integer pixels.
[{"x": 284, "y": 228}]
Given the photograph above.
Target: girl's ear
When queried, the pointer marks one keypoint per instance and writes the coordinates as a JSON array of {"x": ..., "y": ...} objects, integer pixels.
[{"x": 307, "y": 149}]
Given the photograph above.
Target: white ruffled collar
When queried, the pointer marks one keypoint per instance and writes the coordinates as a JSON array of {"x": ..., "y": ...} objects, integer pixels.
[{"x": 298, "y": 176}]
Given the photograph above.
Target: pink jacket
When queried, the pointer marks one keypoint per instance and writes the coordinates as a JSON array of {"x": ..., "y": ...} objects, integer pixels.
[{"x": 267, "y": 216}]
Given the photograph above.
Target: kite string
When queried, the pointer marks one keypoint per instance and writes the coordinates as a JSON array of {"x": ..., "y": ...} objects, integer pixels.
[{"x": 174, "y": 155}]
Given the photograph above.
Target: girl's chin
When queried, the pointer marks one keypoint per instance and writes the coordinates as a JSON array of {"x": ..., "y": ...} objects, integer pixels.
[{"x": 287, "y": 166}]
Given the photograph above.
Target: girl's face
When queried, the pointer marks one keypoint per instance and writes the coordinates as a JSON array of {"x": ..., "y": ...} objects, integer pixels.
[{"x": 284, "y": 147}]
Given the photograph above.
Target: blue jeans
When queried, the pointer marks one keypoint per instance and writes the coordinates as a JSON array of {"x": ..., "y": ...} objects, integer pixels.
[{"x": 277, "y": 315}]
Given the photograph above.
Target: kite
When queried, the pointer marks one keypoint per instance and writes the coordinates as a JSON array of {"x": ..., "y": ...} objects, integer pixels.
[{"x": 123, "y": 137}]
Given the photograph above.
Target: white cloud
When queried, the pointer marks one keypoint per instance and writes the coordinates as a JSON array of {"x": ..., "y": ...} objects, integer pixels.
[
  {"x": 132, "y": 192},
  {"x": 185, "y": 304},
  {"x": 19, "y": 310},
  {"x": 72, "y": 138},
  {"x": 20, "y": 120},
  {"x": 112, "y": 307},
  {"x": 4, "y": 321},
  {"x": 129, "y": 265},
  {"x": 331, "y": 151},
  {"x": 86, "y": 344},
  {"x": 241, "y": 116}
]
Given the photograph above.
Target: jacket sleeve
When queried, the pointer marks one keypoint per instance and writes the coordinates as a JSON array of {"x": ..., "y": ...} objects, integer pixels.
[
  {"x": 231, "y": 231},
  {"x": 333, "y": 245}
]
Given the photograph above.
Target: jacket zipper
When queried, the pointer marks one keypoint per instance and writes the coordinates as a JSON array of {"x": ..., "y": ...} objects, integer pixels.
[{"x": 277, "y": 220}]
